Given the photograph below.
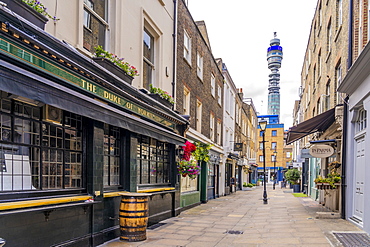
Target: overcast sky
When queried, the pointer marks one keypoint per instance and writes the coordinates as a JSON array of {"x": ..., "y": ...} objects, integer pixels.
[{"x": 240, "y": 32}]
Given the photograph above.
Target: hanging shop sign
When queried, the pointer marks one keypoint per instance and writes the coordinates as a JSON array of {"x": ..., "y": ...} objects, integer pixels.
[
  {"x": 238, "y": 147},
  {"x": 321, "y": 151}
]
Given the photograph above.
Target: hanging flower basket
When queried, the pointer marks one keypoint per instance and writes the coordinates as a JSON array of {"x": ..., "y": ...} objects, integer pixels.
[{"x": 188, "y": 168}]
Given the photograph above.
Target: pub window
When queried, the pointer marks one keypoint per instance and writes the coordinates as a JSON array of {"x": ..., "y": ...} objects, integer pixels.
[
  {"x": 112, "y": 140},
  {"x": 153, "y": 165},
  {"x": 37, "y": 154}
]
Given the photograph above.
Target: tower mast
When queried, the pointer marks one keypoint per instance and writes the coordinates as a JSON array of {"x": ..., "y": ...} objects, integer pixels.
[{"x": 274, "y": 58}]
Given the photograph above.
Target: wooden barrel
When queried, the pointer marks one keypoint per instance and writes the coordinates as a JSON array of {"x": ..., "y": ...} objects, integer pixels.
[{"x": 133, "y": 216}]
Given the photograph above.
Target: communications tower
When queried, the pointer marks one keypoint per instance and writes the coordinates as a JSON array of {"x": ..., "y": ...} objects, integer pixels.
[{"x": 274, "y": 57}]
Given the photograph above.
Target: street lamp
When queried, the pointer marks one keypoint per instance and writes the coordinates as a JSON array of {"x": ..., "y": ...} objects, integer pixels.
[
  {"x": 273, "y": 186},
  {"x": 263, "y": 125}
]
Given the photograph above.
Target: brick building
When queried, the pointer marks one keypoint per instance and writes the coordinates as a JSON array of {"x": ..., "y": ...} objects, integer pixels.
[
  {"x": 199, "y": 94},
  {"x": 320, "y": 109}
]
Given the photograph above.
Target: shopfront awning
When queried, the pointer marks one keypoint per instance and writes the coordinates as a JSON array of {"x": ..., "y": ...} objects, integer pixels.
[{"x": 318, "y": 123}]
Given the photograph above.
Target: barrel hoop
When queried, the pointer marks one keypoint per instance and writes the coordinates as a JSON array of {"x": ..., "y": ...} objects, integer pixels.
[
  {"x": 132, "y": 217},
  {"x": 134, "y": 202},
  {"x": 134, "y": 227},
  {"x": 134, "y": 211}
]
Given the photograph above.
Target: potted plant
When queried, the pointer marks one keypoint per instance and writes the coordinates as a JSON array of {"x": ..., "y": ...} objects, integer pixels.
[
  {"x": 293, "y": 176},
  {"x": 114, "y": 64},
  {"x": 248, "y": 186},
  {"x": 32, "y": 10},
  {"x": 162, "y": 96}
]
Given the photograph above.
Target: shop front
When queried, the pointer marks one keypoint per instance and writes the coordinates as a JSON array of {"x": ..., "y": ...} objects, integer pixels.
[
  {"x": 72, "y": 140},
  {"x": 213, "y": 175}
]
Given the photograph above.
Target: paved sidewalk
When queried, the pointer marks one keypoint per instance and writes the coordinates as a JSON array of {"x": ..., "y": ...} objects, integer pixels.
[{"x": 241, "y": 219}]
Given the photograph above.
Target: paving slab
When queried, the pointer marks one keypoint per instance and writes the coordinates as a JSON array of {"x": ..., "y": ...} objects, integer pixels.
[{"x": 241, "y": 219}]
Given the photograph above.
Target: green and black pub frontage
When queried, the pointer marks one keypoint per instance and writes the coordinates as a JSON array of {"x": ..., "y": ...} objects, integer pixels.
[{"x": 72, "y": 137}]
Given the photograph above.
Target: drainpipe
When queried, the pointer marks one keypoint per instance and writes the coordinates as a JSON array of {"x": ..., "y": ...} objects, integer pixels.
[
  {"x": 345, "y": 114},
  {"x": 174, "y": 50},
  {"x": 344, "y": 157}
]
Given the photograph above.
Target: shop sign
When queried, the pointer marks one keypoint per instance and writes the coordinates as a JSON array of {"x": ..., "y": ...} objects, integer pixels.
[
  {"x": 321, "y": 151},
  {"x": 238, "y": 147},
  {"x": 89, "y": 86}
]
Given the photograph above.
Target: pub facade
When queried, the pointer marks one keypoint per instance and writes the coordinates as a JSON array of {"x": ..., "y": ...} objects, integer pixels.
[{"x": 73, "y": 136}]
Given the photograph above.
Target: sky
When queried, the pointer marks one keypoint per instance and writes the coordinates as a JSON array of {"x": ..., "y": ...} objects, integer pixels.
[{"x": 240, "y": 31}]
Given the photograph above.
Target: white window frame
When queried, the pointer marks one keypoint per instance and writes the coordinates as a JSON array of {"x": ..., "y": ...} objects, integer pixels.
[
  {"x": 212, "y": 127},
  {"x": 213, "y": 85},
  {"x": 219, "y": 95},
  {"x": 273, "y": 158},
  {"x": 186, "y": 103},
  {"x": 187, "y": 47},
  {"x": 219, "y": 130},
  {"x": 198, "y": 120},
  {"x": 339, "y": 13},
  {"x": 273, "y": 145},
  {"x": 338, "y": 75},
  {"x": 361, "y": 120},
  {"x": 200, "y": 66}
]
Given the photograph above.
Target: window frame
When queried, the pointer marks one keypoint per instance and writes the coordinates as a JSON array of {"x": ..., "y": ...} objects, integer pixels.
[
  {"x": 187, "y": 47},
  {"x": 198, "y": 119},
  {"x": 52, "y": 147},
  {"x": 200, "y": 66}
]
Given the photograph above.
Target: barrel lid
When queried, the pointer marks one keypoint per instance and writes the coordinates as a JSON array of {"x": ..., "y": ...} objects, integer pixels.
[{"x": 133, "y": 194}]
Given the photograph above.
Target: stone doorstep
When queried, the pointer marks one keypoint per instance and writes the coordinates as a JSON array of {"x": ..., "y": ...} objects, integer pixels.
[{"x": 327, "y": 215}]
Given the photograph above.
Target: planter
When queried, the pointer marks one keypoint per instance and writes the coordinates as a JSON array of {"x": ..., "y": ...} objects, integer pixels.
[
  {"x": 27, "y": 12},
  {"x": 296, "y": 188},
  {"x": 247, "y": 188},
  {"x": 161, "y": 100},
  {"x": 114, "y": 69},
  {"x": 327, "y": 186}
]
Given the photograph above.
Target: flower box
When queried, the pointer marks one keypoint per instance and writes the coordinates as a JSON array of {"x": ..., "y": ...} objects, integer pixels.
[
  {"x": 161, "y": 100},
  {"x": 27, "y": 12},
  {"x": 114, "y": 69}
]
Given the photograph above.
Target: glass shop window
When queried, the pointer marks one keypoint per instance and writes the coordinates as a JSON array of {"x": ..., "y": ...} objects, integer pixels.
[
  {"x": 153, "y": 166},
  {"x": 112, "y": 151},
  {"x": 37, "y": 153}
]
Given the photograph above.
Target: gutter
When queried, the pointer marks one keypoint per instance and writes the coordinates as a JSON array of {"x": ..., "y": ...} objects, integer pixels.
[{"x": 174, "y": 50}]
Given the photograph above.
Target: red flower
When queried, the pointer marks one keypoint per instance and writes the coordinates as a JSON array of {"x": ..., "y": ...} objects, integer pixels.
[{"x": 188, "y": 149}]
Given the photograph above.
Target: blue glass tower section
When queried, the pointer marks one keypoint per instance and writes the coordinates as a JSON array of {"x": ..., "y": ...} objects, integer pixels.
[{"x": 274, "y": 58}]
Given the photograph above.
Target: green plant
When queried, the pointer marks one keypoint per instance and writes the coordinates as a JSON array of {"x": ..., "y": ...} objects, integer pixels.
[
  {"x": 293, "y": 176},
  {"x": 125, "y": 66},
  {"x": 250, "y": 185},
  {"x": 245, "y": 184},
  {"x": 188, "y": 168},
  {"x": 40, "y": 8},
  {"x": 165, "y": 95},
  {"x": 202, "y": 151}
]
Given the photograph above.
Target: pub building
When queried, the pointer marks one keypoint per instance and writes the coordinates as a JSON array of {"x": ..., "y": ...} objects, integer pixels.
[{"x": 72, "y": 137}]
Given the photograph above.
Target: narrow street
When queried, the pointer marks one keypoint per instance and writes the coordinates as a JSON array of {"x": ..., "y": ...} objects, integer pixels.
[{"x": 241, "y": 219}]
